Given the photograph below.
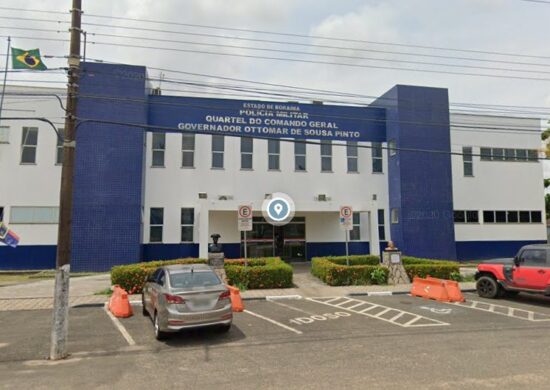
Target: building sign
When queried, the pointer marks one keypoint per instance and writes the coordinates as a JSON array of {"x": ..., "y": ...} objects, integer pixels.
[{"x": 267, "y": 119}]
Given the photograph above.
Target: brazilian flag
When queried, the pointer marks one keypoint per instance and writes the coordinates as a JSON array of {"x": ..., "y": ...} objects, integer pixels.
[{"x": 27, "y": 59}]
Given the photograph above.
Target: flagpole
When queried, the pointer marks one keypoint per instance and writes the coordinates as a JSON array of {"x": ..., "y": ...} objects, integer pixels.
[{"x": 5, "y": 76}]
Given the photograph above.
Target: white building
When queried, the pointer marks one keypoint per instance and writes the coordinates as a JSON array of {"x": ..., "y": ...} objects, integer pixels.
[{"x": 160, "y": 192}]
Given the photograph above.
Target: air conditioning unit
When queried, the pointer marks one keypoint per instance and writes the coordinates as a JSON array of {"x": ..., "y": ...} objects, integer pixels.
[
  {"x": 203, "y": 195},
  {"x": 225, "y": 197},
  {"x": 267, "y": 196},
  {"x": 322, "y": 198},
  {"x": 156, "y": 91}
]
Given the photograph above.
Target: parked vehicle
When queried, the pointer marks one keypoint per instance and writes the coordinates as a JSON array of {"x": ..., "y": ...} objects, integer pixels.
[
  {"x": 529, "y": 272},
  {"x": 186, "y": 296}
]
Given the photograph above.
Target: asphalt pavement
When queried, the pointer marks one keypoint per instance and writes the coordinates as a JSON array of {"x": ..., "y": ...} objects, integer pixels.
[{"x": 323, "y": 342}]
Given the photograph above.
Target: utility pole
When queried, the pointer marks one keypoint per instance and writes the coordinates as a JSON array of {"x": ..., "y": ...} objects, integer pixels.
[{"x": 60, "y": 327}]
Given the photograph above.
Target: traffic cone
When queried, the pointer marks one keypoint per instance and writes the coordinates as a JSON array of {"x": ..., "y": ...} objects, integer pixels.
[
  {"x": 236, "y": 301},
  {"x": 119, "y": 304}
]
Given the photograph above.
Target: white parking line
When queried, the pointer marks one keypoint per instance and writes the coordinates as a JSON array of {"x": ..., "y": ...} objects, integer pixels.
[
  {"x": 120, "y": 327},
  {"x": 508, "y": 311},
  {"x": 407, "y": 319},
  {"x": 292, "y": 308},
  {"x": 273, "y": 321}
]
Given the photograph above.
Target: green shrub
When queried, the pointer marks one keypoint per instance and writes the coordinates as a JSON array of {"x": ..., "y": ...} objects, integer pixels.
[
  {"x": 132, "y": 277},
  {"x": 332, "y": 272},
  {"x": 269, "y": 272},
  {"x": 366, "y": 269},
  {"x": 260, "y": 273}
]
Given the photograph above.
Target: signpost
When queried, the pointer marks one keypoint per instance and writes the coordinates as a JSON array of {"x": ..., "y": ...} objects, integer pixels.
[
  {"x": 346, "y": 221},
  {"x": 245, "y": 224}
]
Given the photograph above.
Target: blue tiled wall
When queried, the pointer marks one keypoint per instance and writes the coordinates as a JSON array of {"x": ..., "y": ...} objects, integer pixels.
[
  {"x": 27, "y": 257},
  {"x": 481, "y": 250},
  {"x": 420, "y": 183},
  {"x": 108, "y": 179}
]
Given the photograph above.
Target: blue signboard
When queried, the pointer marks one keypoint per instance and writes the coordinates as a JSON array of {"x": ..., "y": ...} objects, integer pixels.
[{"x": 268, "y": 119}]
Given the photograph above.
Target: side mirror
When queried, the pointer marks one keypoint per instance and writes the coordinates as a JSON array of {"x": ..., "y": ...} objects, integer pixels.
[{"x": 516, "y": 261}]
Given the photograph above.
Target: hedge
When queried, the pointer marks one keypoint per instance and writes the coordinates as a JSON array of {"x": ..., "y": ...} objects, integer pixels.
[
  {"x": 260, "y": 273},
  {"x": 132, "y": 277},
  {"x": 366, "y": 269},
  {"x": 331, "y": 271},
  {"x": 267, "y": 272}
]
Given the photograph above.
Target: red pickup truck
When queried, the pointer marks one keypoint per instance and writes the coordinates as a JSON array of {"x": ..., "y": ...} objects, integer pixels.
[{"x": 529, "y": 272}]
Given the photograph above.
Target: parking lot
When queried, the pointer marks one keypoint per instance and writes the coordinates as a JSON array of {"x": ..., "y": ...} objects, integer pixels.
[{"x": 308, "y": 342}]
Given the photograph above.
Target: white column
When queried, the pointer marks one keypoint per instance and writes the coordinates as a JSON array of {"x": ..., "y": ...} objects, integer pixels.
[
  {"x": 203, "y": 228},
  {"x": 374, "y": 239}
]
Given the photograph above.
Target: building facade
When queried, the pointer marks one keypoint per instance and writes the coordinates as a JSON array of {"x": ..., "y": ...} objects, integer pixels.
[{"x": 156, "y": 175}]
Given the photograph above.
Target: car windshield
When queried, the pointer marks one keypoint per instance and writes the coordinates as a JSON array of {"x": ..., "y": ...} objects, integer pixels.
[{"x": 193, "y": 279}]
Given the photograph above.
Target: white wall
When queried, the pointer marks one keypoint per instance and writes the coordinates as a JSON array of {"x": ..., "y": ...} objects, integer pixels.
[
  {"x": 497, "y": 185},
  {"x": 31, "y": 185}
]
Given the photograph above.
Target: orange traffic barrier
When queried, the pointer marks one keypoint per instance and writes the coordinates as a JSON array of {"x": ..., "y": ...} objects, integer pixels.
[
  {"x": 119, "y": 304},
  {"x": 236, "y": 301},
  {"x": 453, "y": 289},
  {"x": 430, "y": 289}
]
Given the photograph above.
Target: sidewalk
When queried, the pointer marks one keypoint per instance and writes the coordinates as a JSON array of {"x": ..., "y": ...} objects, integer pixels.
[{"x": 39, "y": 295}]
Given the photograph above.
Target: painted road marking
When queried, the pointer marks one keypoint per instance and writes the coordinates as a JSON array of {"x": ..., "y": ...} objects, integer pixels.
[
  {"x": 292, "y": 307},
  {"x": 272, "y": 321},
  {"x": 508, "y": 311},
  {"x": 120, "y": 327},
  {"x": 397, "y": 317},
  {"x": 278, "y": 297}
]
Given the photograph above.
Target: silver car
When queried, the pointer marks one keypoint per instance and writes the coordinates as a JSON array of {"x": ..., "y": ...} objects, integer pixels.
[{"x": 186, "y": 296}]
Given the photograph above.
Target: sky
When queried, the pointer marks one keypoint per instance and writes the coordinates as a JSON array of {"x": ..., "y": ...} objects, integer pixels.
[{"x": 508, "y": 26}]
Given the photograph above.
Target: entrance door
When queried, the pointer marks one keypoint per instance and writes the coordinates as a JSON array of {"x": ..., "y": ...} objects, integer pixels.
[{"x": 289, "y": 241}]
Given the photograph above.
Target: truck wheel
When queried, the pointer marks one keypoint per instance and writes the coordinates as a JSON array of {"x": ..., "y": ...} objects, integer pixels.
[{"x": 487, "y": 287}]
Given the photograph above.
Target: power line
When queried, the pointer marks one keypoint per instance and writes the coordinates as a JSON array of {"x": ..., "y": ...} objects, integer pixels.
[{"x": 286, "y": 43}]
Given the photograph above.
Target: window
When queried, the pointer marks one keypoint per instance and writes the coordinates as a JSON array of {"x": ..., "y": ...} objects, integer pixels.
[
  {"x": 187, "y": 222},
  {"x": 218, "y": 147},
  {"x": 512, "y": 216},
  {"x": 381, "y": 223},
  {"x": 466, "y": 216},
  {"x": 392, "y": 146},
  {"x": 355, "y": 233},
  {"x": 467, "y": 161},
  {"x": 500, "y": 216},
  {"x": 247, "y": 146},
  {"x": 161, "y": 278},
  {"x": 524, "y": 217},
  {"x": 377, "y": 157},
  {"x": 158, "y": 147},
  {"x": 326, "y": 156},
  {"x": 4, "y": 135},
  {"x": 273, "y": 154},
  {"x": 508, "y": 154},
  {"x": 521, "y": 155},
  {"x": 532, "y": 155},
  {"x": 188, "y": 151},
  {"x": 488, "y": 216},
  {"x": 498, "y": 154},
  {"x": 1, "y": 214},
  {"x": 536, "y": 216},
  {"x": 299, "y": 156},
  {"x": 34, "y": 215},
  {"x": 534, "y": 257},
  {"x": 193, "y": 279},
  {"x": 352, "y": 156},
  {"x": 485, "y": 154},
  {"x": 29, "y": 142},
  {"x": 156, "y": 223},
  {"x": 394, "y": 214},
  {"x": 59, "y": 149}
]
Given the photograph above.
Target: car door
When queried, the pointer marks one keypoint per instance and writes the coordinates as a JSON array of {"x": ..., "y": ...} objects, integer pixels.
[{"x": 532, "y": 272}]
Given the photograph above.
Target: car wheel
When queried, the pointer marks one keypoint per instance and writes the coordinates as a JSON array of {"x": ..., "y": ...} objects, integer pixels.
[
  {"x": 487, "y": 287},
  {"x": 143, "y": 308},
  {"x": 159, "y": 335}
]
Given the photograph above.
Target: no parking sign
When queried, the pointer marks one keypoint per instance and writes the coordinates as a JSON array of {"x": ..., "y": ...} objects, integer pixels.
[
  {"x": 245, "y": 218},
  {"x": 346, "y": 217}
]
